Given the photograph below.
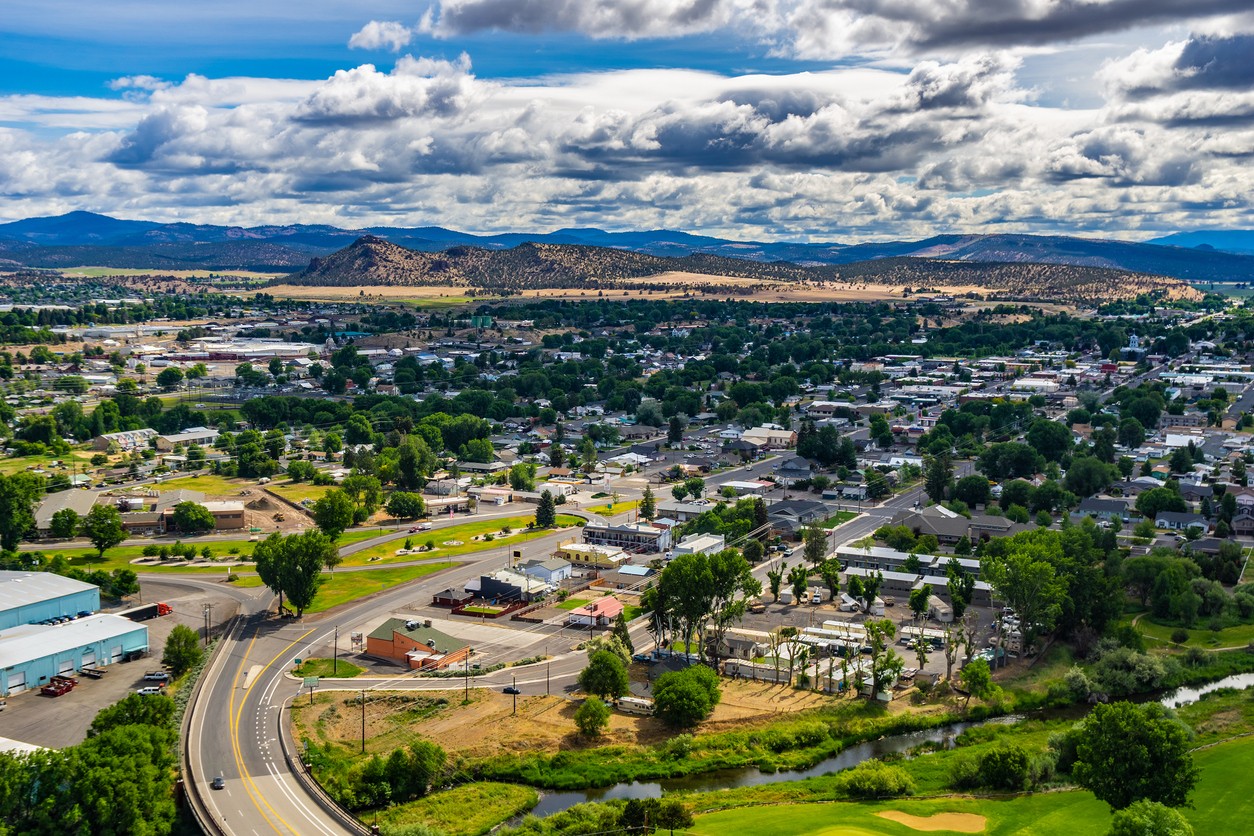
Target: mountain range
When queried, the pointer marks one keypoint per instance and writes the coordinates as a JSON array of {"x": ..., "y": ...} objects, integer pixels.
[{"x": 85, "y": 238}]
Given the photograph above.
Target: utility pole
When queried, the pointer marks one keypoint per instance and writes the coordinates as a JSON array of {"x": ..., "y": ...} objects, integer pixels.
[
  {"x": 466, "y": 679},
  {"x": 335, "y": 662},
  {"x": 363, "y": 722},
  {"x": 208, "y": 611},
  {"x": 515, "y": 694},
  {"x": 547, "y": 669}
]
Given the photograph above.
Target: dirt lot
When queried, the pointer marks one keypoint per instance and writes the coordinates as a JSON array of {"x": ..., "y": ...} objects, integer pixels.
[{"x": 487, "y": 727}]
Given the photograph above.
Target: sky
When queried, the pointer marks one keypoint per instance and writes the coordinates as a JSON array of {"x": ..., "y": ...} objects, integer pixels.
[{"x": 802, "y": 120}]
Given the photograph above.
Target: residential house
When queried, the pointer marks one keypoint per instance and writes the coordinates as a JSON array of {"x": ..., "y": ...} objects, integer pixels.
[
  {"x": 599, "y": 613},
  {"x": 1180, "y": 521},
  {"x": 794, "y": 469},
  {"x": 770, "y": 437},
  {"x": 1103, "y": 508},
  {"x": 125, "y": 441}
]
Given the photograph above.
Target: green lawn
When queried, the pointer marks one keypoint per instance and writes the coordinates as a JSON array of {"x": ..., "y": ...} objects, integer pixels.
[
  {"x": 19, "y": 463},
  {"x": 468, "y": 810},
  {"x": 208, "y": 484},
  {"x": 573, "y": 603},
  {"x": 610, "y": 509},
  {"x": 1051, "y": 814},
  {"x": 839, "y": 518},
  {"x": 464, "y": 533},
  {"x": 328, "y": 668},
  {"x": 1222, "y": 803},
  {"x": 120, "y": 557},
  {"x": 1237, "y": 636},
  {"x": 342, "y": 587},
  {"x": 296, "y": 491}
]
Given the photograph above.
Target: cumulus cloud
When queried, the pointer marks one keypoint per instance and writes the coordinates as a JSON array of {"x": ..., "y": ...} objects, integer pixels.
[
  {"x": 382, "y": 34},
  {"x": 415, "y": 87},
  {"x": 821, "y": 29},
  {"x": 139, "y": 82},
  {"x": 1202, "y": 62},
  {"x": 617, "y": 19}
]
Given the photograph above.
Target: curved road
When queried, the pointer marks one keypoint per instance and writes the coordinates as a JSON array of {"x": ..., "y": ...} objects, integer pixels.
[{"x": 235, "y": 728}]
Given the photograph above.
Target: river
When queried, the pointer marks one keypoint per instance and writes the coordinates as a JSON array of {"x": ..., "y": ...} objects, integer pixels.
[{"x": 554, "y": 802}]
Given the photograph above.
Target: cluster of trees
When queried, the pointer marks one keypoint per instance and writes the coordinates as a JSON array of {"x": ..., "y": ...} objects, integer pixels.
[
  {"x": 699, "y": 590},
  {"x": 119, "y": 780},
  {"x": 405, "y": 774},
  {"x": 684, "y": 698},
  {"x": 292, "y": 566}
]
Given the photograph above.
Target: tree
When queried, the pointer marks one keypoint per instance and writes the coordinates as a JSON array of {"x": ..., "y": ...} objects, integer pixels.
[
  {"x": 522, "y": 477},
  {"x": 182, "y": 650},
  {"x": 192, "y": 518},
  {"x": 685, "y": 698},
  {"x": 775, "y": 579},
  {"x": 605, "y": 676},
  {"x": 18, "y": 495},
  {"x": 679, "y": 492},
  {"x": 1131, "y": 433},
  {"x": 886, "y": 664},
  {"x": 674, "y": 815},
  {"x": 754, "y": 551},
  {"x": 972, "y": 490},
  {"x": 65, "y": 523},
  {"x": 404, "y": 505},
  {"x": 1051, "y": 439},
  {"x": 103, "y": 527},
  {"x": 1126, "y": 753},
  {"x": 919, "y": 601},
  {"x": 648, "y": 504},
  {"x": 675, "y": 430},
  {"x": 623, "y": 634},
  {"x": 937, "y": 475},
  {"x": 592, "y": 717},
  {"x": 1149, "y": 818},
  {"x": 977, "y": 680},
  {"x": 961, "y": 586},
  {"x": 695, "y": 486},
  {"x": 134, "y": 710},
  {"x": 1156, "y": 500},
  {"x": 546, "y": 511},
  {"x": 292, "y": 566},
  {"x": 333, "y": 513},
  {"x": 1030, "y": 587},
  {"x": 798, "y": 581},
  {"x": 170, "y": 377},
  {"x": 1088, "y": 476},
  {"x": 815, "y": 540}
]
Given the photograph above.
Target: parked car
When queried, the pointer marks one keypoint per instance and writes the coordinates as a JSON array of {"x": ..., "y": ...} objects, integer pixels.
[{"x": 149, "y": 690}]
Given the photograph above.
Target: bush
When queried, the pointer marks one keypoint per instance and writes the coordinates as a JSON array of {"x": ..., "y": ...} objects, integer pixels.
[
  {"x": 1180, "y": 635},
  {"x": 592, "y": 717},
  {"x": 1121, "y": 671},
  {"x": 1006, "y": 767},
  {"x": 875, "y": 779}
]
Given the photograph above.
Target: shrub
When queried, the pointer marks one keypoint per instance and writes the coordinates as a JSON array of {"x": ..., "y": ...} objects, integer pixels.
[
  {"x": 1006, "y": 767},
  {"x": 1180, "y": 635},
  {"x": 875, "y": 779},
  {"x": 592, "y": 717}
]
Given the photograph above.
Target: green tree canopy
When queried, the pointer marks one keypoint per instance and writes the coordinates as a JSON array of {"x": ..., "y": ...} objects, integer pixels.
[{"x": 1127, "y": 753}]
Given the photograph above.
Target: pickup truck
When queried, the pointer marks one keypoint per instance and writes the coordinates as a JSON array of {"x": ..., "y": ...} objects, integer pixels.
[{"x": 157, "y": 676}]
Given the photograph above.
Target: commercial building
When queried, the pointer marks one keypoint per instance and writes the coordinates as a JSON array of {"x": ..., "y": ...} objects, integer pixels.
[
  {"x": 194, "y": 435},
  {"x": 416, "y": 645},
  {"x": 591, "y": 556},
  {"x": 632, "y": 537},
  {"x": 32, "y": 653},
  {"x": 125, "y": 441},
  {"x": 79, "y": 501}
]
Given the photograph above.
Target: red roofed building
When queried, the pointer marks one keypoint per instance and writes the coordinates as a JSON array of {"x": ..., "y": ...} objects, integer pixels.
[{"x": 600, "y": 612}]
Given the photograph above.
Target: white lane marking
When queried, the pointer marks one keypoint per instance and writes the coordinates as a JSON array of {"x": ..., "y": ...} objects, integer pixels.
[{"x": 279, "y": 779}]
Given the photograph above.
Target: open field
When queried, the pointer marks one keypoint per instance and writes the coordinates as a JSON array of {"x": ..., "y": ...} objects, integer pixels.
[
  {"x": 424, "y": 297},
  {"x": 1236, "y": 636},
  {"x": 97, "y": 272},
  {"x": 296, "y": 491},
  {"x": 468, "y": 810},
  {"x": 462, "y": 534},
  {"x": 612, "y": 509},
  {"x": 81, "y": 458},
  {"x": 208, "y": 484},
  {"x": 341, "y": 587},
  {"x": 763, "y": 291}
]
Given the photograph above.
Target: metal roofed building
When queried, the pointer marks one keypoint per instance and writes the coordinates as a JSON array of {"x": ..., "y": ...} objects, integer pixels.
[
  {"x": 35, "y": 596},
  {"x": 31, "y": 654}
]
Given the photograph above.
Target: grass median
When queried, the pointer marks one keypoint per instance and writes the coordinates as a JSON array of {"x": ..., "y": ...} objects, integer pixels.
[
  {"x": 463, "y": 535},
  {"x": 343, "y": 587}
]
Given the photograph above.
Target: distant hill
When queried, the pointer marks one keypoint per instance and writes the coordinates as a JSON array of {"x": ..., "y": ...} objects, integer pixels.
[
  {"x": 84, "y": 238},
  {"x": 373, "y": 261},
  {"x": 1240, "y": 241}
]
